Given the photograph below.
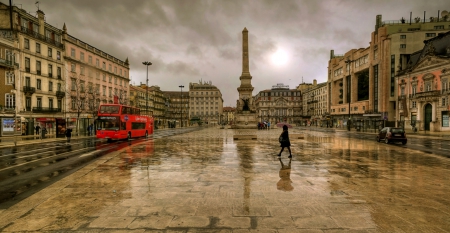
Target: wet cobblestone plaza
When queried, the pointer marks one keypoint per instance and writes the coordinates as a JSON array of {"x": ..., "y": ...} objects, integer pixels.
[{"x": 205, "y": 181}]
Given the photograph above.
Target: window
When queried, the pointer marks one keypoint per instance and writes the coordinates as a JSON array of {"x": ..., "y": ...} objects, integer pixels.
[
  {"x": 115, "y": 70},
  {"x": 110, "y": 68},
  {"x": 430, "y": 34},
  {"x": 104, "y": 77},
  {"x": 38, "y": 67},
  {"x": 402, "y": 36},
  {"x": 38, "y": 48},
  {"x": 110, "y": 79},
  {"x": 72, "y": 67},
  {"x": 439, "y": 27},
  {"x": 104, "y": 65},
  {"x": 38, "y": 84},
  {"x": 444, "y": 100},
  {"x": 81, "y": 56},
  {"x": 97, "y": 62},
  {"x": 104, "y": 90},
  {"x": 402, "y": 46},
  {"x": 28, "y": 103},
  {"x": 74, "y": 84},
  {"x": 90, "y": 59},
  {"x": 50, "y": 103},
  {"x": 9, "y": 77},
  {"x": 414, "y": 104},
  {"x": 50, "y": 51},
  {"x": 27, "y": 64},
  {"x": 50, "y": 86},
  {"x": 73, "y": 103},
  {"x": 58, "y": 87},
  {"x": 10, "y": 101},
  {"x": 82, "y": 70},
  {"x": 110, "y": 91},
  {"x": 39, "y": 102},
  {"x": 115, "y": 80},
  {"x": 414, "y": 89},
  {"x": 27, "y": 81},
  {"x": 58, "y": 55},
  {"x": 26, "y": 43},
  {"x": 59, "y": 105},
  {"x": 50, "y": 71},
  {"x": 58, "y": 70},
  {"x": 82, "y": 87},
  {"x": 72, "y": 53}
]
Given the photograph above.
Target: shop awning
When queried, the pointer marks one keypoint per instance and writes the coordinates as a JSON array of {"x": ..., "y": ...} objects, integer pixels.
[{"x": 45, "y": 119}]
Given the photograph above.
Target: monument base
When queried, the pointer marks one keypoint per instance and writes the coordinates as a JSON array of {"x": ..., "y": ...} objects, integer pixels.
[{"x": 245, "y": 120}]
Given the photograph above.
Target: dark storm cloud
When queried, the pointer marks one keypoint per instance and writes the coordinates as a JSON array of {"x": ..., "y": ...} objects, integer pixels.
[{"x": 191, "y": 40}]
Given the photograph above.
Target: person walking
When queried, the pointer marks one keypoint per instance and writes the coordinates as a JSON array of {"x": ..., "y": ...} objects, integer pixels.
[
  {"x": 284, "y": 141},
  {"x": 43, "y": 131},
  {"x": 68, "y": 134},
  {"x": 37, "y": 128}
]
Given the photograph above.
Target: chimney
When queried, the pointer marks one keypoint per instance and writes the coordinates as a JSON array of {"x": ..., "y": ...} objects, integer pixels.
[
  {"x": 41, "y": 19},
  {"x": 314, "y": 82},
  {"x": 331, "y": 54},
  {"x": 377, "y": 23}
]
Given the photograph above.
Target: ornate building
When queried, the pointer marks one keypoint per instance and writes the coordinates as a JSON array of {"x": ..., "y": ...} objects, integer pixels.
[
  {"x": 279, "y": 104},
  {"x": 228, "y": 115},
  {"x": 424, "y": 87},
  {"x": 205, "y": 102},
  {"x": 362, "y": 82},
  {"x": 315, "y": 104}
]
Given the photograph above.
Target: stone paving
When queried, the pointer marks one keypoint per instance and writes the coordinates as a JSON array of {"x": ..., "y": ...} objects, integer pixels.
[{"x": 205, "y": 181}]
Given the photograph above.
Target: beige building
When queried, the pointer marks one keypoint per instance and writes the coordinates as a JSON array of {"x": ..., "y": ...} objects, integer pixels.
[
  {"x": 279, "y": 104},
  {"x": 362, "y": 82},
  {"x": 93, "y": 78},
  {"x": 40, "y": 77},
  {"x": 205, "y": 102},
  {"x": 157, "y": 105},
  {"x": 138, "y": 97},
  {"x": 228, "y": 115},
  {"x": 177, "y": 108},
  {"x": 315, "y": 104}
]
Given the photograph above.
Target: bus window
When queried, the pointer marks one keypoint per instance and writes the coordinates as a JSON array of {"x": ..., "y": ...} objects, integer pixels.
[
  {"x": 124, "y": 126},
  {"x": 137, "y": 125},
  {"x": 108, "y": 123},
  {"x": 109, "y": 109}
]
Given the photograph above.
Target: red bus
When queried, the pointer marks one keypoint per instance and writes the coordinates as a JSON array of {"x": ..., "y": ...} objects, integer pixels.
[{"x": 115, "y": 122}]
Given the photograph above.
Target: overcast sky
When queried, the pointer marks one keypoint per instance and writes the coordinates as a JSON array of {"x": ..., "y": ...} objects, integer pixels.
[{"x": 192, "y": 40}]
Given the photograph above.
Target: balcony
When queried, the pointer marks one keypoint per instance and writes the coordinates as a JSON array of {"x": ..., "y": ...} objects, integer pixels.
[
  {"x": 401, "y": 97},
  {"x": 46, "y": 110},
  {"x": 60, "y": 94},
  {"x": 8, "y": 63},
  {"x": 41, "y": 37},
  {"x": 428, "y": 95},
  {"x": 29, "y": 90},
  {"x": 8, "y": 109}
]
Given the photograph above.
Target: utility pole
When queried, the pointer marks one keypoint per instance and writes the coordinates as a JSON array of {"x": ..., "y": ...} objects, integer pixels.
[{"x": 181, "y": 105}]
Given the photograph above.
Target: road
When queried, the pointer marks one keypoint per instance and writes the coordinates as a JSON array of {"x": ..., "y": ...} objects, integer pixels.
[{"x": 27, "y": 169}]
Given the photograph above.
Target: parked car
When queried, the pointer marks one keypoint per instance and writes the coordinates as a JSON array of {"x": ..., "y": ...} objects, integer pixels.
[{"x": 392, "y": 134}]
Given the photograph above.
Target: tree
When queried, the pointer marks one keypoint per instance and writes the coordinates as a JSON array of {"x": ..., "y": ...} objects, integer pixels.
[{"x": 76, "y": 90}]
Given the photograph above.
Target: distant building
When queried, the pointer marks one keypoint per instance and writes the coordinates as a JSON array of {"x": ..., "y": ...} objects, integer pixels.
[
  {"x": 228, "y": 115},
  {"x": 177, "y": 108},
  {"x": 315, "y": 104},
  {"x": 206, "y": 102},
  {"x": 279, "y": 104}
]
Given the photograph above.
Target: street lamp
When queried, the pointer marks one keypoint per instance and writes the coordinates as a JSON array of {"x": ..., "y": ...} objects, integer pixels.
[
  {"x": 146, "y": 63},
  {"x": 349, "y": 62},
  {"x": 181, "y": 105}
]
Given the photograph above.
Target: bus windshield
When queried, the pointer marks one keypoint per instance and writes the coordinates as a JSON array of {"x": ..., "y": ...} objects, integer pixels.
[
  {"x": 109, "y": 109},
  {"x": 108, "y": 123}
]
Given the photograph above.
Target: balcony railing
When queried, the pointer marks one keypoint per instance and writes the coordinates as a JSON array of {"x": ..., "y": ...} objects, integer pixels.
[
  {"x": 46, "y": 110},
  {"x": 401, "y": 97},
  {"x": 425, "y": 94},
  {"x": 60, "y": 94},
  {"x": 41, "y": 37},
  {"x": 29, "y": 90},
  {"x": 9, "y": 108}
]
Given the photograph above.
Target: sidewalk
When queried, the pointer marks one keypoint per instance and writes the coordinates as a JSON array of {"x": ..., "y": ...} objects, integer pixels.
[
  {"x": 12, "y": 141},
  {"x": 409, "y": 133}
]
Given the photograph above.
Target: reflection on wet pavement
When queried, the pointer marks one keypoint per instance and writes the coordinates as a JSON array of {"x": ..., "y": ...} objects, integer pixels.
[{"x": 205, "y": 181}]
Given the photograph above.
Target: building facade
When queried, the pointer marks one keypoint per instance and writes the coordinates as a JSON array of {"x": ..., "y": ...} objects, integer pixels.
[
  {"x": 424, "y": 87},
  {"x": 279, "y": 104},
  {"x": 362, "y": 82},
  {"x": 157, "y": 105},
  {"x": 205, "y": 102},
  {"x": 315, "y": 109},
  {"x": 228, "y": 115},
  {"x": 177, "y": 108},
  {"x": 93, "y": 77}
]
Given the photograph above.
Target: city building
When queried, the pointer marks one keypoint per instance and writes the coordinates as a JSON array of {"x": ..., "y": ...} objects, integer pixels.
[
  {"x": 228, "y": 115},
  {"x": 137, "y": 98},
  {"x": 39, "y": 99},
  {"x": 10, "y": 124},
  {"x": 362, "y": 82},
  {"x": 177, "y": 108},
  {"x": 205, "y": 102},
  {"x": 157, "y": 105},
  {"x": 93, "y": 78},
  {"x": 315, "y": 104},
  {"x": 279, "y": 104},
  {"x": 424, "y": 87}
]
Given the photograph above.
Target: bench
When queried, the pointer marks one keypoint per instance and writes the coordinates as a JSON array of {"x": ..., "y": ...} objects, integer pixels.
[{"x": 244, "y": 137}]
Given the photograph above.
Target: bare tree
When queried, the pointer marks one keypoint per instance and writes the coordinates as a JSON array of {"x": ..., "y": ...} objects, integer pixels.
[
  {"x": 78, "y": 95},
  {"x": 122, "y": 95}
]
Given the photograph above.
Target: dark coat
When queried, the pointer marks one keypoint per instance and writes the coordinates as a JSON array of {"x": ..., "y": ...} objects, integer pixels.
[
  {"x": 68, "y": 133},
  {"x": 285, "y": 142}
]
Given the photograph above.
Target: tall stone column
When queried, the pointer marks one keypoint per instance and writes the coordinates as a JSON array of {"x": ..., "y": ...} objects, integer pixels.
[
  {"x": 246, "y": 88},
  {"x": 245, "y": 55}
]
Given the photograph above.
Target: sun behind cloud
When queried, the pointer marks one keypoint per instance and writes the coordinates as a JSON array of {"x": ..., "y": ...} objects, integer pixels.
[{"x": 279, "y": 58}]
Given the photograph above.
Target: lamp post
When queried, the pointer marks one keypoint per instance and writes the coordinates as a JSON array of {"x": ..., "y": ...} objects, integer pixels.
[
  {"x": 181, "y": 105},
  {"x": 146, "y": 63},
  {"x": 349, "y": 62}
]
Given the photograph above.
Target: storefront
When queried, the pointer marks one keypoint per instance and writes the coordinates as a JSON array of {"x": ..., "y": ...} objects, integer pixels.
[
  {"x": 60, "y": 127},
  {"x": 47, "y": 123}
]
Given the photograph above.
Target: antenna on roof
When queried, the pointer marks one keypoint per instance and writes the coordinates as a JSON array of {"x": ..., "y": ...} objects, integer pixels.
[{"x": 37, "y": 4}]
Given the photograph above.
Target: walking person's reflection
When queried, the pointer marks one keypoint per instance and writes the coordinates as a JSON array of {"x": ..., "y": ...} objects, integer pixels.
[{"x": 285, "y": 182}]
